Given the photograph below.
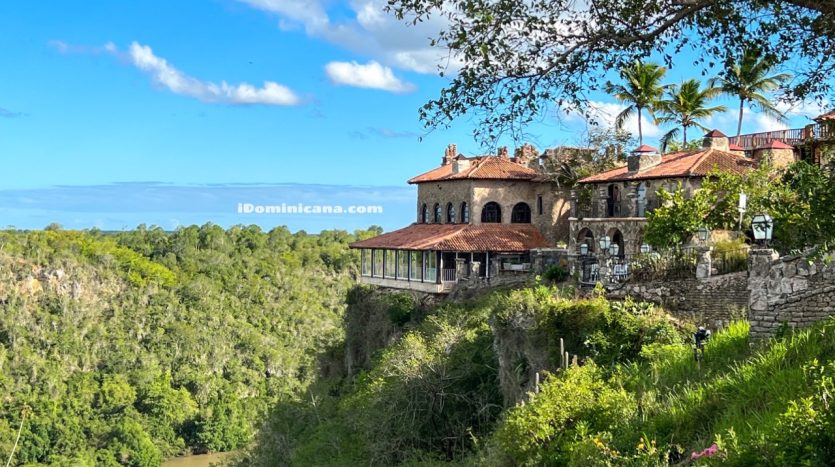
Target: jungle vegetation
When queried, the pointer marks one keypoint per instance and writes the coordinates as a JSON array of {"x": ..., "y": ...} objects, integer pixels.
[{"x": 127, "y": 348}]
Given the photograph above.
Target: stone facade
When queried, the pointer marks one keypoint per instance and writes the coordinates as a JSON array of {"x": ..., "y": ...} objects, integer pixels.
[
  {"x": 788, "y": 291},
  {"x": 553, "y": 222},
  {"x": 630, "y": 217},
  {"x": 711, "y": 302},
  {"x": 631, "y": 230}
]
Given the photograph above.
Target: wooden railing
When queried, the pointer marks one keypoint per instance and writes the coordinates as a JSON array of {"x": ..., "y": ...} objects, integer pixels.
[{"x": 793, "y": 136}]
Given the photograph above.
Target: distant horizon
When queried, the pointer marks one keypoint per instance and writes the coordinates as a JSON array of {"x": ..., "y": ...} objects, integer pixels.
[{"x": 123, "y": 206}]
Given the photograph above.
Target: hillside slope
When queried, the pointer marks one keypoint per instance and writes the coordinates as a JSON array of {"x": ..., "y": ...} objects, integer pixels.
[{"x": 444, "y": 392}]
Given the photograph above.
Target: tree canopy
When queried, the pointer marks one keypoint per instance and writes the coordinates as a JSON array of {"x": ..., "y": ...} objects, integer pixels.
[{"x": 520, "y": 59}]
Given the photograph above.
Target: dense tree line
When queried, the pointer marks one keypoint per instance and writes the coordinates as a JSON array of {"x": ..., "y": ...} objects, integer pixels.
[{"x": 126, "y": 348}]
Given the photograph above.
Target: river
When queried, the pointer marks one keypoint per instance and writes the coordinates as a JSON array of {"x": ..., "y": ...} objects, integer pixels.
[{"x": 197, "y": 460}]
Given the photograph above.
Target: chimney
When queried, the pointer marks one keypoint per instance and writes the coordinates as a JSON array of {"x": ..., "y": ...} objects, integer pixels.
[
  {"x": 642, "y": 158},
  {"x": 503, "y": 153},
  {"x": 525, "y": 154},
  {"x": 460, "y": 164},
  {"x": 449, "y": 154},
  {"x": 776, "y": 153},
  {"x": 715, "y": 139}
]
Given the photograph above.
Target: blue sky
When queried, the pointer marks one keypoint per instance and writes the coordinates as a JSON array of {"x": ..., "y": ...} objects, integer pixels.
[{"x": 114, "y": 114}]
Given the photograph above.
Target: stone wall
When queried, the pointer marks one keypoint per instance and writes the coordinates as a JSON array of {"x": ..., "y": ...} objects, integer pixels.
[
  {"x": 552, "y": 223},
  {"x": 632, "y": 230},
  {"x": 451, "y": 191},
  {"x": 788, "y": 291},
  {"x": 712, "y": 302}
]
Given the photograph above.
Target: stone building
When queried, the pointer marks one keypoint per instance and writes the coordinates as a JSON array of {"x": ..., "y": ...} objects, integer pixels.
[
  {"x": 622, "y": 197},
  {"x": 814, "y": 143},
  {"x": 474, "y": 217}
]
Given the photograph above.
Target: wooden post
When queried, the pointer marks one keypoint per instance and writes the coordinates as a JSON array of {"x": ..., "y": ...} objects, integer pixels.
[
  {"x": 566, "y": 361},
  {"x": 536, "y": 383}
]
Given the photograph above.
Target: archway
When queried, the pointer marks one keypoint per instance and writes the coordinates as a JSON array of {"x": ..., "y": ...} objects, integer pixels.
[
  {"x": 491, "y": 213},
  {"x": 521, "y": 214},
  {"x": 586, "y": 236}
]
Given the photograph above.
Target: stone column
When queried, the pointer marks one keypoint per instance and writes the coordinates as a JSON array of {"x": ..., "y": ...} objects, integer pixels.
[
  {"x": 632, "y": 206},
  {"x": 495, "y": 266},
  {"x": 759, "y": 271},
  {"x": 475, "y": 270},
  {"x": 572, "y": 195},
  {"x": 602, "y": 199},
  {"x": 704, "y": 263},
  {"x": 460, "y": 269}
]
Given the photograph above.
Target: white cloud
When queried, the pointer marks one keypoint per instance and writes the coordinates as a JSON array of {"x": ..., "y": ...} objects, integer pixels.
[
  {"x": 809, "y": 109},
  {"x": 309, "y": 13},
  {"x": 371, "y": 32},
  {"x": 371, "y": 75},
  {"x": 763, "y": 122},
  {"x": 169, "y": 77}
]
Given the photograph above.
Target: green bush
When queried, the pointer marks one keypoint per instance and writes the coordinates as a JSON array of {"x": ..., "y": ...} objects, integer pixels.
[
  {"x": 400, "y": 307},
  {"x": 545, "y": 430},
  {"x": 555, "y": 273}
]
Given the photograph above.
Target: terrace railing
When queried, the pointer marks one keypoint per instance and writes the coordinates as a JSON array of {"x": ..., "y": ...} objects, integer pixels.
[
  {"x": 793, "y": 136},
  {"x": 448, "y": 275}
]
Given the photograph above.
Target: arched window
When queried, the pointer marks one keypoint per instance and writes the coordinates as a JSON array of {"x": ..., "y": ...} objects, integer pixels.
[
  {"x": 438, "y": 218},
  {"x": 424, "y": 216},
  {"x": 450, "y": 213},
  {"x": 465, "y": 213},
  {"x": 521, "y": 214},
  {"x": 491, "y": 213}
]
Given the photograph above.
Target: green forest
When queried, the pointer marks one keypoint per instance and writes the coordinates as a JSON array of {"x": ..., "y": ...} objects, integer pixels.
[{"x": 128, "y": 348}]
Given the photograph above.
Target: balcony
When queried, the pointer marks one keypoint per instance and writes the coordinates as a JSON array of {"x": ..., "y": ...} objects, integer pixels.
[
  {"x": 617, "y": 209},
  {"x": 792, "y": 137}
]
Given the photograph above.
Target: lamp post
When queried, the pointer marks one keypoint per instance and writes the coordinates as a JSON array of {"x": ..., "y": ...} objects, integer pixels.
[
  {"x": 605, "y": 242},
  {"x": 645, "y": 248},
  {"x": 763, "y": 228},
  {"x": 700, "y": 337},
  {"x": 703, "y": 234},
  {"x": 614, "y": 248},
  {"x": 584, "y": 249}
]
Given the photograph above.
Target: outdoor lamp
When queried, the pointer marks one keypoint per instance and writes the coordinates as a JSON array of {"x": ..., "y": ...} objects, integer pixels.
[
  {"x": 605, "y": 241},
  {"x": 645, "y": 248},
  {"x": 584, "y": 249},
  {"x": 613, "y": 249},
  {"x": 763, "y": 227},
  {"x": 701, "y": 336},
  {"x": 703, "y": 233}
]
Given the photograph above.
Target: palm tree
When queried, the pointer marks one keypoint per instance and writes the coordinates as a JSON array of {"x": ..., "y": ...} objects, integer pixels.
[
  {"x": 684, "y": 106},
  {"x": 747, "y": 79},
  {"x": 641, "y": 90}
]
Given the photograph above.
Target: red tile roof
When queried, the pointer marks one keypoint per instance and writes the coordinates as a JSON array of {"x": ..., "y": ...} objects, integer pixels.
[
  {"x": 715, "y": 134},
  {"x": 482, "y": 167},
  {"x": 680, "y": 164},
  {"x": 827, "y": 116},
  {"x": 735, "y": 147},
  {"x": 645, "y": 148},
  {"x": 775, "y": 144},
  {"x": 510, "y": 238}
]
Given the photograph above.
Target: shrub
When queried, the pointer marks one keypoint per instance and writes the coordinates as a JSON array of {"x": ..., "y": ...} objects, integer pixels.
[
  {"x": 545, "y": 430},
  {"x": 556, "y": 273}
]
